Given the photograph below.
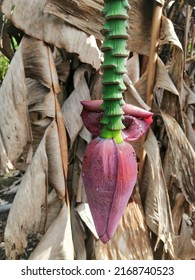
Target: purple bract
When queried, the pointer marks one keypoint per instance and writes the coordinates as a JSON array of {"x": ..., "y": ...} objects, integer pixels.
[{"x": 109, "y": 169}]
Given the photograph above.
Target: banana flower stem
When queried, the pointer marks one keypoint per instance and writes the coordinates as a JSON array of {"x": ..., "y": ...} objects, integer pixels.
[{"x": 113, "y": 67}]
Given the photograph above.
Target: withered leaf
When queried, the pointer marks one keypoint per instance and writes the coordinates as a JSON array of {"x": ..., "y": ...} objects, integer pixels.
[
  {"x": 15, "y": 134},
  {"x": 56, "y": 243},
  {"x": 34, "y": 189},
  {"x": 184, "y": 157},
  {"x": 51, "y": 29},
  {"x": 157, "y": 205},
  {"x": 72, "y": 107}
]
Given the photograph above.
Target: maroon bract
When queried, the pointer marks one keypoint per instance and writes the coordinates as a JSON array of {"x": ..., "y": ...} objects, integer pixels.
[
  {"x": 109, "y": 173},
  {"x": 109, "y": 169},
  {"x": 136, "y": 120}
]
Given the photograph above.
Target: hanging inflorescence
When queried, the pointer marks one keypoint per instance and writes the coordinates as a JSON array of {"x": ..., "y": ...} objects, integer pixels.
[
  {"x": 113, "y": 67},
  {"x": 109, "y": 168}
]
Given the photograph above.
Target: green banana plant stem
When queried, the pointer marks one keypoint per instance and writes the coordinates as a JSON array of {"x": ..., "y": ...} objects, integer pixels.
[{"x": 114, "y": 48}]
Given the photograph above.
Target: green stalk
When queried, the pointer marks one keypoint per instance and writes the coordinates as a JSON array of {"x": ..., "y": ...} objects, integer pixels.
[{"x": 113, "y": 67}]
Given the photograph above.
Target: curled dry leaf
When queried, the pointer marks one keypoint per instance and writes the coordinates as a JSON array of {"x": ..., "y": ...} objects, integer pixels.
[
  {"x": 5, "y": 163},
  {"x": 81, "y": 14},
  {"x": 184, "y": 243},
  {"x": 188, "y": 105},
  {"x": 76, "y": 12},
  {"x": 45, "y": 108},
  {"x": 79, "y": 216},
  {"x": 36, "y": 63},
  {"x": 168, "y": 35},
  {"x": 54, "y": 206},
  {"x": 36, "y": 91},
  {"x": 18, "y": 226},
  {"x": 190, "y": 133},
  {"x": 133, "y": 68},
  {"x": 141, "y": 86},
  {"x": 56, "y": 243},
  {"x": 157, "y": 205},
  {"x": 76, "y": 186},
  {"x": 63, "y": 70},
  {"x": 132, "y": 95},
  {"x": 72, "y": 107},
  {"x": 163, "y": 79},
  {"x": 80, "y": 212},
  {"x": 5, "y": 46},
  {"x": 168, "y": 167},
  {"x": 41, "y": 105},
  {"x": 85, "y": 214},
  {"x": 55, "y": 168},
  {"x": 15, "y": 134},
  {"x": 51, "y": 29},
  {"x": 34, "y": 188},
  {"x": 137, "y": 22},
  {"x": 78, "y": 235},
  {"x": 86, "y": 9},
  {"x": 184, "y": 157},
  {"x": 177, "y": 212}
]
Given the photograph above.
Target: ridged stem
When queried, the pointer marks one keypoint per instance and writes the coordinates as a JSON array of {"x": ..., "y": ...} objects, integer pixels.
[{"x": 113, "y": 67}]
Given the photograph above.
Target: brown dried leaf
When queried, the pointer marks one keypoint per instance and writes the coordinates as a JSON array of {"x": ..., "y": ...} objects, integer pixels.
[
  {"x": 188, "y": 96},
  {"x": 55, "y": 167},
  {"x": 140, "y": 20},
  {"x": 77, "y": 196},
  {"x": 176, "y": 68},
  {"x": 168, "y": 166},
  {"x": 36, "y": 91},
  {"x": 61, "y": 15},
  {"x": 54, "y": 206},
  {"x": 157, "y": 205},
  {"x": 5, "y": 163},
  {"x": 184, "y": 157},
  {"x": 178, "y": 211},
  {"x": 78, "y": 13},
  {"x": 72, "y": 107},
  {"x": 133, "y": 68},
  {"x": 36, "y": 63},
  {"x": 96, "y": 86},
  {"x": 51, "y": 29},
  {"x": 190, "y": 132},
  {"x": 85, "y": 214},
  {"x": 5, "y": 46},
  {"x": 190, "y": 100},
  {"x": 168, "y": 35},
  {"x": 45, "y": 108},
  {"x": 77, "y": 186},
  {"x": 25, "y": 218},
  {"x": 63, "y": 70},
  {"x": 163, "y": 79},
  {"x": 136, "y": 94},
  {"x": 78, "y": 235},
  {"x": 56, "y": 243},
  {"x": 85, "y": 134},
  {"x": 15, "y": 128},
  {"x": 172, "y": 104},
  {"x": 141, "y": 86},
  {"x": 184, "y": 244},
  {"x": 32, "y": 196}
]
